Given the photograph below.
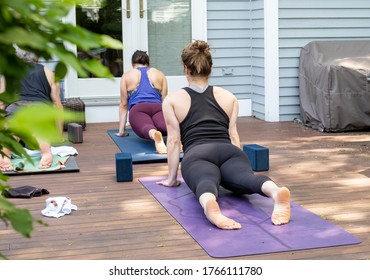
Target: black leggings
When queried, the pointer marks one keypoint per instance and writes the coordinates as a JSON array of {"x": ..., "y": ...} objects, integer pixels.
[{"x": 205, "y": 167}]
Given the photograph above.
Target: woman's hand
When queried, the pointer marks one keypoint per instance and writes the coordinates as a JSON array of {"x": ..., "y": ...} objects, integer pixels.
[
  {"x": 122, "y": 134},
  {"x": 169, "y": 183}
]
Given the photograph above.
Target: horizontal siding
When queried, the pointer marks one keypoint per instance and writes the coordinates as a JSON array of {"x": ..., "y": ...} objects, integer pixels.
[
  {"x": 310, "y": 23},
  {"x": 219, "y": 41},
  {"x": 232, "y": 63},
  {"x": 230, "y": 25},
  {"x": 229, "y": 35},
  {"x": 258, "y": 58},
  {"x": 301, "y": 22}
]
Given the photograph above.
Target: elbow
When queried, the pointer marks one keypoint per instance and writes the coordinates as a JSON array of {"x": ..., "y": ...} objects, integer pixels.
[
  {"x": 123, "y": 105},
  {"x": 174, "y": 141}
]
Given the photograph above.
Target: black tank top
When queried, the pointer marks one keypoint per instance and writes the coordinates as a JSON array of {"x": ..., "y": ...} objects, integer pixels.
[
  {"x": 35, "y": 85},
  {"x": 205, "y": 122}
]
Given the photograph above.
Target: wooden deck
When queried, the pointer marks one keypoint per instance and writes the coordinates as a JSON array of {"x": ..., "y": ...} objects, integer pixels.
[{"x": 328, "y": 174}]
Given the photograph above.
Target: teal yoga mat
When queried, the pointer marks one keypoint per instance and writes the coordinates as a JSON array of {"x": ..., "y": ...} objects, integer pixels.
[{"x": 70, "y": 165}]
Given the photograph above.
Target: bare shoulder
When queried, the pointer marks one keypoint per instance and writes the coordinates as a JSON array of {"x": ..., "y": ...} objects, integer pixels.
[
  {"x": 48, "y": 71},
  {"x": 130, "y": 74},
  {"x": 49, "y": 75},
  {"x": 219, "y": 91},
  {"x": 225, "y": 99},
  {"x": 155, "y": 72},
  {"x": 176, "y": 97},
  {"x": 177, "y": 102},
  {"x": 131, "y": 78}
]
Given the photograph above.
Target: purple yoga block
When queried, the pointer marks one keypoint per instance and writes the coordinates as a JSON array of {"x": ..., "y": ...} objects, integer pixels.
[{"x": 258, "y": 156}]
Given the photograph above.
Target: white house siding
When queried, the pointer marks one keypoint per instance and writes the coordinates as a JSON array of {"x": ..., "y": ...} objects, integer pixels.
[{"x": 303, "y": 21}]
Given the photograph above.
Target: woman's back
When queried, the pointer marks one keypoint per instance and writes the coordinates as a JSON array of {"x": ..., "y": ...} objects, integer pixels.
[
  {"x": 206, "y": 121},
  {"x": 132, "y": 79}
]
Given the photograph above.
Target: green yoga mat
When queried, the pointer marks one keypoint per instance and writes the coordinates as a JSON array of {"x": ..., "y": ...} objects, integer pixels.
[{"x": 23, "y": 166}]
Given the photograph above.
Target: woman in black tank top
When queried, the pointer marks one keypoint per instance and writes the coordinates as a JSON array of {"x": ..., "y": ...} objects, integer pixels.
[
  {"x": 35, "y": 87},
  {"x": 212, "y": 155}
]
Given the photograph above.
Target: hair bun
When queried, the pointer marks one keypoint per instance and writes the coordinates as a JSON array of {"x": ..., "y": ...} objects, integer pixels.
[{"x": 201, "y": 46}]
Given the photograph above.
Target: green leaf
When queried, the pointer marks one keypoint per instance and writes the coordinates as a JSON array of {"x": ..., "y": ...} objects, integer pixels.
[
  {"x": 8, "y": 97},
  {"x": 7, "y": 140},
  {"x": 22, "y": 37},
  {"x": 21, "y": 219},
  {"x": 68, "y": 58},
  {"x": 95, "y": 67},
  {"x": 111, "y": 43},
  {"x": 3, "y": 178},
  {"x": 83, "y": 38},
  {"x": 87, "y": 40},
  {"x": 60, "y": 71},
  {"x": 43, "y": 124}
]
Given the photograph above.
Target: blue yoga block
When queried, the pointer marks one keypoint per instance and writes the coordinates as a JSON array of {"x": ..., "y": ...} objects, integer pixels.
[
  {"x": 124, "y": 167},
  {"x": 258, "y": 156}
]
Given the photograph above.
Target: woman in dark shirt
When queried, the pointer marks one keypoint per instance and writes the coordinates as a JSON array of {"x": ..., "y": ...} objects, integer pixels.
[
  {"x": 38, "y": 85},
  {"x": 203, "y": 118}
]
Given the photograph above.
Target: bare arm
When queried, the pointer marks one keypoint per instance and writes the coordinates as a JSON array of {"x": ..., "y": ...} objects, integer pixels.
[
  {"x": 173, "y": 142},
  {"x": 234, "y": 136},
  {"x": 55, "y": 88},
  {"x": 54, "y": 93},
  {"x": 2, "y": 89},
  {"x": 123, "y": 108},
  {"x": 164, "y": 88}
]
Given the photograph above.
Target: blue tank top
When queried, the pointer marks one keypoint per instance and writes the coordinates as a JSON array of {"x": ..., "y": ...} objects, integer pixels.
[
  {"x": 205, "y": 122},
  {"x": 145, "y": 92},
  {"x": 35, "y": 86}
]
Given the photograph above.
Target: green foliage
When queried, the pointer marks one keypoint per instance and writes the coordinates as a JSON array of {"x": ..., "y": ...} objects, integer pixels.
[
  {"x": 38, "y": 26},
  {"x": 42, "y": 124},
  {"x": 20, "y": 219}
]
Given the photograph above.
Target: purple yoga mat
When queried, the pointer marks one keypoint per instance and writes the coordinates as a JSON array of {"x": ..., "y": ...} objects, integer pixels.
[{"x": 305, "y": 230}]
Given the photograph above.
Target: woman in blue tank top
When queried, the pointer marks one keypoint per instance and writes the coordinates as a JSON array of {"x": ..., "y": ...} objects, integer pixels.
[
  {"x": 142, "y": 91},
  {"x": 203, "y": 118}
]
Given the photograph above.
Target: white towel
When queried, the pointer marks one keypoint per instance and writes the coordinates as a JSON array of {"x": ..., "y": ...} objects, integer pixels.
[
  {"x": 60, "y": 151},
  {"x": 58, "y": 206}
]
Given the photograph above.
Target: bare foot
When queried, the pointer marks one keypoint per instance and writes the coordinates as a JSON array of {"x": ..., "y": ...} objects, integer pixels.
[
  {"x": 46, "y": 160},
  {"x": 5, "y": 164},
  {"x": 214, "y": 215},
  {"x": 159, "y": 143},
  {"x": 281, "y": 213}
]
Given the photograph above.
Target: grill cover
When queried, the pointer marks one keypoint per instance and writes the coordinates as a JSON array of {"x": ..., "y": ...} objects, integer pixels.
[{"x": 334, "y": 85}]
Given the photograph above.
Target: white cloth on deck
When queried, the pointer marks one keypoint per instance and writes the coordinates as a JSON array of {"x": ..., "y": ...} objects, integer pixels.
[
  {"x": 60, "y": 151},
  {"x": 58, "y": 206}
]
